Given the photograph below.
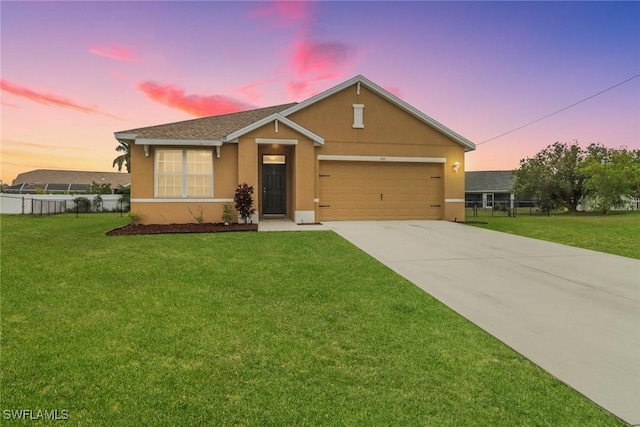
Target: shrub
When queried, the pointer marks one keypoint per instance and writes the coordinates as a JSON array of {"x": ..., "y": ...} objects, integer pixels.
[
  {"x": 244, "y": 201},
  {"x": 97, "y": 203},
  {"x": 96, "y": 188},
  {"x": 135, "y": 217},
  {"x": 226, "y": 214},
  {"x": 82, "y": 204},
  {"x": 200, "y": 217}
]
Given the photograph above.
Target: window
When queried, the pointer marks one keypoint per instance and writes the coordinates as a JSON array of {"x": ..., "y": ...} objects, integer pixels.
[
  {"x": 358, "y": 116},
  {"x": 488, "y": 200},
  {"x": 183, "y": 173}
]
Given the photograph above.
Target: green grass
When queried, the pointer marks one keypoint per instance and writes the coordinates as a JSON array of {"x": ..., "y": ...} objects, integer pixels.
[
  {"x": 246, "y": 329},
  {"x": 617, "y": 233}
]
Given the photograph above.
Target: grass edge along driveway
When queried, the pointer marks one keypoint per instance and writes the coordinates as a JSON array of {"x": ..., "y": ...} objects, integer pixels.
[
  {"x": 617, "y": 233},
  {"x": 246, "y": 329}
]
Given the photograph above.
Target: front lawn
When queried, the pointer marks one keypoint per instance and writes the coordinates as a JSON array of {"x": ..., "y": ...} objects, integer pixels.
[
  {"x": 617, "y": 233},
  {"x": 257, "y": 329}
]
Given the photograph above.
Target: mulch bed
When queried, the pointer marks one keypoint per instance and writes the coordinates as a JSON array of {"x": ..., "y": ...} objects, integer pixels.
[{"x": 180, "y": 228}]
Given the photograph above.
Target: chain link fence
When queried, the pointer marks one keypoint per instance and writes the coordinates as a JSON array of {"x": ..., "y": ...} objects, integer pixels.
[{"x": 475, "y": 209}]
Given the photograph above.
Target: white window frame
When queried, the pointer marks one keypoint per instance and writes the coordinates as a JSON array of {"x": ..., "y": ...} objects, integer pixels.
[
  {"x": 488, "y": 203},
  {"x": 185, "y": 175},
  {"x": 358, "y": 116}
]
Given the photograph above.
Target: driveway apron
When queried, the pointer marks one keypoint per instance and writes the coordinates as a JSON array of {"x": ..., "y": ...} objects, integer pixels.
[{"x": 573, "y": 312}]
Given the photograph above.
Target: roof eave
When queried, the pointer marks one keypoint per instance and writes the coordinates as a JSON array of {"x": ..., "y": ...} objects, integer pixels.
[
  {"x": 181, "y": 142},
  {"x": 125, "y": 136},
  {"x": 233, "y": 136},
  {"x": 467, "y": 144}
]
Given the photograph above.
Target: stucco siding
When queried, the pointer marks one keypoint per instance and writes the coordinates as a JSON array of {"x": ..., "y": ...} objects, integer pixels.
[{"x": 162, "y": 211}]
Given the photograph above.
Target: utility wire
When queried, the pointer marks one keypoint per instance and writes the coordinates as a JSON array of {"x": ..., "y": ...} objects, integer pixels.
[{"x": 561, "y": 110}]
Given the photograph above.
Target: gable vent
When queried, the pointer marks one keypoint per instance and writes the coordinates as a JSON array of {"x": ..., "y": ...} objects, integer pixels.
[{"x": 358, "y": 116}]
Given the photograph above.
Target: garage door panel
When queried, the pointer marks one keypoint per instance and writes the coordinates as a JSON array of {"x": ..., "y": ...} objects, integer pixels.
[{"x": 352, "y": 190}]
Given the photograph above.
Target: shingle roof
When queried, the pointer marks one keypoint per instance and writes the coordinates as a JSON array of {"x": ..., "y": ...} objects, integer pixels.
[
  {"x": 488, "y": 181},
  {"x": 45, "y": 176},
  {"x": 206, "y": 128}
]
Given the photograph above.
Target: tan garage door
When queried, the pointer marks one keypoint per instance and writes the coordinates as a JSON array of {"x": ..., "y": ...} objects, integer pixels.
[{"x": 380, "y": 190}]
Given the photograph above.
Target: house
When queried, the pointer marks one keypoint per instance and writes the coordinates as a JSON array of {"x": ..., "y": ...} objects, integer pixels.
[
  {"x": 352, "y": 152},
  {"x": 484, "y": 189},
  {"x": 64, "y": 181}
]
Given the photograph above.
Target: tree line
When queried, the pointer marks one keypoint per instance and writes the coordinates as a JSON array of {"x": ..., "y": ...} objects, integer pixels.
[{"x": 564, "y": 175}]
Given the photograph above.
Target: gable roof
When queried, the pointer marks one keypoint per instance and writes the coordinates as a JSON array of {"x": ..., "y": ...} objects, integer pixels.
[
  {"x": 212, "y": 128},
  {"x": 488, "y": 182},
  {"x": 215, "y": 130},
  {"x": 359, "y": 79},
  {"x": 318, "y": 140}
]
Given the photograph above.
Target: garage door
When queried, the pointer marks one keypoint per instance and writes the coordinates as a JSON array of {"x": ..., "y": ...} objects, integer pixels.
[{"x": 380, "y": 190}]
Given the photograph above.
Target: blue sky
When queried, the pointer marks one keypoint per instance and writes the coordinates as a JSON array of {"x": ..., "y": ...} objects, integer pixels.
[{"x": 75, "y": 72}]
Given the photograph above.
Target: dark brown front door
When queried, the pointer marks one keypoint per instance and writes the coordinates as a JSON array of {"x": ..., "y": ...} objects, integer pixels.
[{"x": 274, "y": 189}]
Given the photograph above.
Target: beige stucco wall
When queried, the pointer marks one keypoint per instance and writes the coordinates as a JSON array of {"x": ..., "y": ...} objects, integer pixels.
[
  {"x": 157, "y": 211},
  {"x": 388, "y": 131},
  {"x": 301, "y": 170}
]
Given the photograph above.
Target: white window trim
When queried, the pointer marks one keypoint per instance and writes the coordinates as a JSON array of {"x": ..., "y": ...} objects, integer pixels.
[
  {"x": 346, "y": 158},
  {"x": 358, "y": 116},
  {"x": 185, "y": 175},
  {"x": 276, "y": 141},
  {"x": 180, "y": 200},
  {"x": 485, "y": 202}
]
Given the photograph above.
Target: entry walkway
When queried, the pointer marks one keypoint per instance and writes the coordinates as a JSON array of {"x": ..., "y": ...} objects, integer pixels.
[
  {"x": 574, "y": 312},
  {"x": 287, "y": 225}
]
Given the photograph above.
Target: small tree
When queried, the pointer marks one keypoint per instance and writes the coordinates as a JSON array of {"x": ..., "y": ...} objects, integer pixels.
[
  {"x": 95, "y": 188},
  {"x": 82, "y": 204},
  {"x": 124, "y": 158},
  {"x": 244, "y": 201},
  {"x": 125, "y": 198},
  {"x": 552, "y": 176},
  {"x": 226, "y": 214},
  {"x": 97, "y": 203},
  {"x": 612, "y": 175}
]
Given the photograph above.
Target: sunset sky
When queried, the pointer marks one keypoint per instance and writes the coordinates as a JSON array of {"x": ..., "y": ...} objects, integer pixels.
[{"x": 75, "y": 72}]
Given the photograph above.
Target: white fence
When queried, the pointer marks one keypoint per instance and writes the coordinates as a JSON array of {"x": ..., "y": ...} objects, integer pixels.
[{"x": 47, "y": 204}]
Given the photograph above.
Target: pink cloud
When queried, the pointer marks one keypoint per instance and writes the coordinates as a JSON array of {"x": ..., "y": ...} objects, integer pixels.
[
  {"x": 119, "y": 53},
  {"x": 197, "y": 105},
  {"x": 119, "y": 75},
  {"x": 303, "y": 88},
  {"x": 310, "y": 56},
  {"x": 313, "y": 62},
  {"x": 252, "y": 90},
  {"x": 8, "y": 104},
  {"x": 48, "y": 99},
  {"x": 283, "y": 13}
]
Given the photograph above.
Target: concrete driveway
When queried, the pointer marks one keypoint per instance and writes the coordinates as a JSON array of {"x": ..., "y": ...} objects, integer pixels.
[{"x": 574, "y": 312}]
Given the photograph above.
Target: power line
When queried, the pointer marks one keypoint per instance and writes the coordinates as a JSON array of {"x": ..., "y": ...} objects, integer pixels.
[{"x": 561, "y": 110}]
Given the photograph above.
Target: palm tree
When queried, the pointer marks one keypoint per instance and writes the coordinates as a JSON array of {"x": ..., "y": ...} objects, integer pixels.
[{"x": 123, "y": 158}]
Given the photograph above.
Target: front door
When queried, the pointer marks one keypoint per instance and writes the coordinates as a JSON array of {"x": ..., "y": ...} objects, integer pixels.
[{"x": 274, "y": 189}]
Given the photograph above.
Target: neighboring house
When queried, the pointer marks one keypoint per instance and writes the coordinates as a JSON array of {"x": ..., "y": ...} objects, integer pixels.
[
  {"x": 355, "y": 151},
  {"x": 485, "y": 189},
  {"x": 65, "y": 181}
]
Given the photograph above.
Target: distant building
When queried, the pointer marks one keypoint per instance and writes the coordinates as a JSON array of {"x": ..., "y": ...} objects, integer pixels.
[
  {"x": 65, "y": 181},
  {"x": 484, "y": 189}
]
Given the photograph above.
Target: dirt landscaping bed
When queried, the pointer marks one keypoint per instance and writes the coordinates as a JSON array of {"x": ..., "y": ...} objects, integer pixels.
[{"x": 180, "y": 228}]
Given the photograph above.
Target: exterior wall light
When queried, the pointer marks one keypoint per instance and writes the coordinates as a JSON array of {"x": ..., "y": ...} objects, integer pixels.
[{"x": 456, "y": 167}]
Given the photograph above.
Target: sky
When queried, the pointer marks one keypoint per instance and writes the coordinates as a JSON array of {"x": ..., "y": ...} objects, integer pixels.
[{"x": 73, "y": 73}]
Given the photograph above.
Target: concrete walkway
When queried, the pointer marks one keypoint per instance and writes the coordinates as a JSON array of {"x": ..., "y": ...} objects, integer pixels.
[
  {"x": 287, "y": 225},
  {"x": 574, "y": 312}
]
